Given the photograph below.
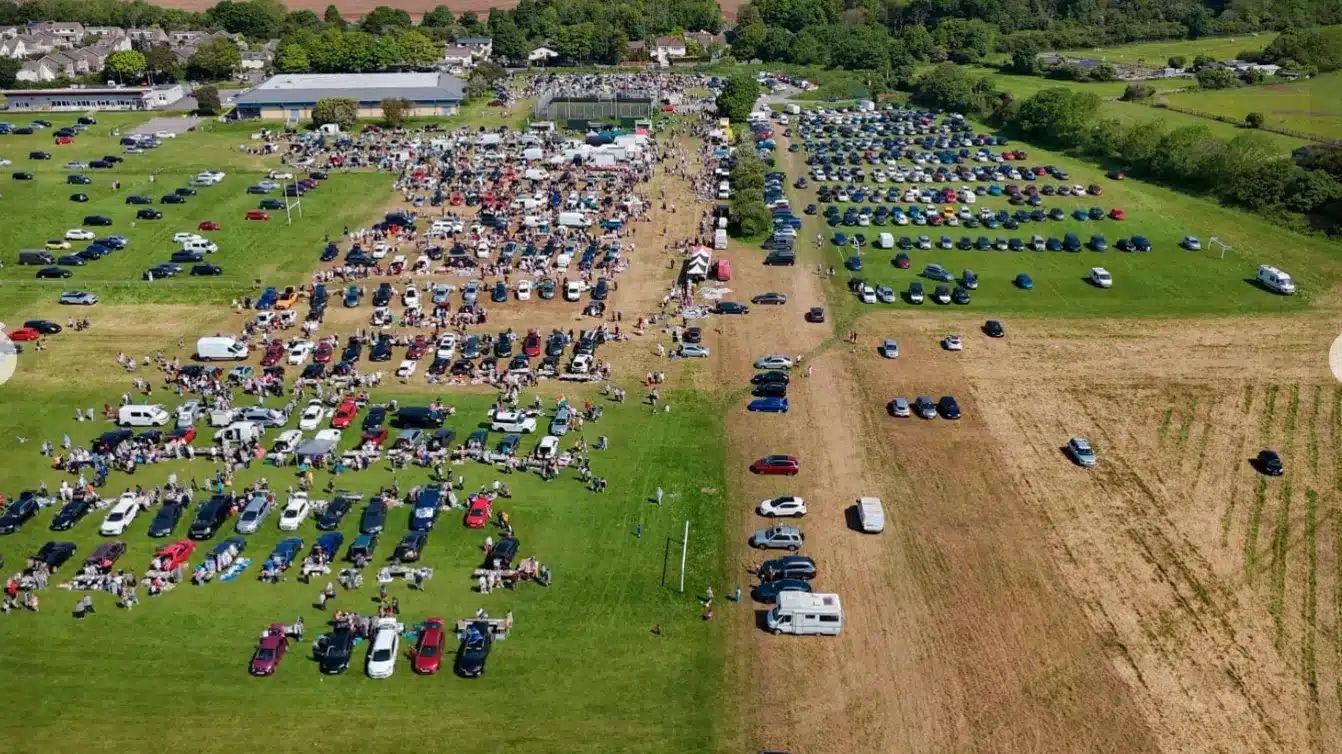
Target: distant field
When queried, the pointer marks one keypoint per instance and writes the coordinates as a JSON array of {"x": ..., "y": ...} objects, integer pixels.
[
  {"x": 416, "y": 8},
  {"x": 1313, "y": 106},
  {"x": 1156, "y": 53}
]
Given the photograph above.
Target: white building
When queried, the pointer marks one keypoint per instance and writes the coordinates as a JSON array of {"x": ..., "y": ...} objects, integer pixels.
[
  {"x": 670, "y": 47},
  {"x": 541, "y": 56}
]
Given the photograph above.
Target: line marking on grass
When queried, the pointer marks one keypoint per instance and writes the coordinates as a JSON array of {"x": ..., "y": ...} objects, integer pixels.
[
  {"x": 1251, "y": 536},
  {"x": 1281, "y": 540}
]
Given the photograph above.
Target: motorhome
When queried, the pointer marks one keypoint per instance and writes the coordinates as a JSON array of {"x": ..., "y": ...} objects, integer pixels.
[
  {"x": 1276, "y": 280},
  {"x": 871, "y": 515},
  {"x": 806, "y": 613}
]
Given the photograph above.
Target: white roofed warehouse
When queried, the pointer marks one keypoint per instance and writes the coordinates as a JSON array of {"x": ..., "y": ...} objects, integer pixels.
[{"x": 291, "y": 96}]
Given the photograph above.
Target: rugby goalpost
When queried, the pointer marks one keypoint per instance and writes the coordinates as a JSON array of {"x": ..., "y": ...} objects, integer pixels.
[{"x": 1224, "y": 246}]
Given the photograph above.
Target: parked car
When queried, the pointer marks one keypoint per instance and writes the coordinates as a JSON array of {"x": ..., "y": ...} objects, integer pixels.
[
  {"x": 1080, "y": 450},
  {"x": 776, "y": 464},
  {"x": 1269, "y": 463},
  {"x": 473, "y": 652},
  {"x": 785, "y": 505},
  {"x": 428, "y": 655},
  {"x": 270, "y": 651},
  {"x": 768, "y": 591},
  {"x": 788, "y": 567}
]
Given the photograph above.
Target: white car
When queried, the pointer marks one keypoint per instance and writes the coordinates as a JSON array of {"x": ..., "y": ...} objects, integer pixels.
[
  {"x": 407, "y": 368},
  {"x": 295, "y": 512},
  {"x": 889, "y": 348},
  {"x": 867, "y": 295},
  {"x": 384, "y": 648},
  {"x": 548, "y": 448},
  {"x": 184, "y": 237},
  {"x": 121, "y": 516},
  {"x": 524, "y": 290},
  {"x": 693, "y": 351},
  {"x": 5, "y": 163},
  {"x": 312, "y": 416},
  {"x": 410, "y": 297},
  {"x": 79, "y": 234},
  {"x": 773, "y": 361},
  {"x": 787, "y": 505},
  {"x": 329, "y": 435},
  {"x": 573, "y": 291},
  {"x": 299, "y": 351},
  {"x": 952, "y": 343},
  {"x": 1191, "y": 243},
  {"x": 381, "y": 249},
  {"x": 581, "y": 363},
  {"x": 447, "y": 347},
  {"x": 287, "y": 441},
  {"x": 164, "y": 135},
  {"x": 512, "y": 421}
]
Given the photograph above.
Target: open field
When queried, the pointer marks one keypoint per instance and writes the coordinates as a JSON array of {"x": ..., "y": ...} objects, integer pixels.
[
  {"x": 1155, "y": 54},
  {"x": 1312, "y": 106}
]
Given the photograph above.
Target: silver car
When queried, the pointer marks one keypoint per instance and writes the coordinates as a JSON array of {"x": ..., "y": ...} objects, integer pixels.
[
  {"x": 254, "y": 514},
  {"x": 78, "y": 298},
  {"x": 778, "y": 538},
  {"x": 1081, "y": 451},
  {"x": 693, "y": 351}
]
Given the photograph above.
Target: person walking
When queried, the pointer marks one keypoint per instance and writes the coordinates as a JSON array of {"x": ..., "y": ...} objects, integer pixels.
[{"x": 659, "y": 495}]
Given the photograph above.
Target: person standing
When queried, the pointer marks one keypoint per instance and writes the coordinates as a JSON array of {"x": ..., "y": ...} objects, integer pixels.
[{"x": 659, "y": 495}]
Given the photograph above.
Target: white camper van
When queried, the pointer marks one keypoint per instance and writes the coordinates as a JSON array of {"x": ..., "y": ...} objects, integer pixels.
[
  {"x": 804, "y": 613},
  {"x": 1101, "y": 277},
  {"x": 871, "y": 515},
  {"x": 885, "y": 241},
  {"x": 1275, "y": 280},
  {"x": 143, "y": 416},
  {"x": 724, "y": 190},
  {"x": 220, "y": 349}
]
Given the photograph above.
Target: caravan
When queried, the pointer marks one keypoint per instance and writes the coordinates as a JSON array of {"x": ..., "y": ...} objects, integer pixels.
[
  {"x": 1275, "y": 280},
  {"x": 804, "y": 613}
]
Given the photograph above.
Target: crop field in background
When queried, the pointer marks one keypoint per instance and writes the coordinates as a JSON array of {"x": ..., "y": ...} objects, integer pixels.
[
  {"x": 1156, "y": 54},
  {"x": 1311, "y": 106}
]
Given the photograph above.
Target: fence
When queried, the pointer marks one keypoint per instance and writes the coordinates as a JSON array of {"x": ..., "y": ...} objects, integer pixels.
[{"x": 576, "y": 111}]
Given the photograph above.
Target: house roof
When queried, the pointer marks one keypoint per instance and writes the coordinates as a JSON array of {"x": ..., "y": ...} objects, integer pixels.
[
  {"x": 300, "y": 88},
  {"x": 670, "y": 42},
  {"x": 636, "y": 44},
  {"x": 475, "y": 41},
  {"x": 457, "y": 51}
]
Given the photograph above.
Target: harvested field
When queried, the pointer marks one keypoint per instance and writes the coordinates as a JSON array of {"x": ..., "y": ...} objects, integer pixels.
[{"x": 353, "y": 9}]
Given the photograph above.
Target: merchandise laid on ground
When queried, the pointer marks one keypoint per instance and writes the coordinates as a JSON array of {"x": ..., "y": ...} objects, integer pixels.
[{"x": 981, "y": 446}]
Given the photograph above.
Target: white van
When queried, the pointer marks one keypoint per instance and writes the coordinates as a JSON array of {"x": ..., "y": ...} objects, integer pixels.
[
  {"x": 806, "y": 613},
  {"x": 574, "y": 220},
  {"x": 871, "y": 515},
  {"x": 240, "y": 432},
  {"x": 220, "y": 349},
  {"x": 885, "y": 241},
  {"x": 724, "y": 190},
  {"x": 512, "y": 421},
  {"x": 200, "y": 244},
  {"x": 1101, "y": 277},
  {"x": 143, "y": 416},
  {"x": 1275, "y": 280}
]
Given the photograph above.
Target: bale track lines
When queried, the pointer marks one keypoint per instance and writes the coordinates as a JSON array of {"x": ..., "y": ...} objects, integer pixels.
[
  {"x": 1281, "y": 537},
  {"x": 1312, "y": 449},
  {"x": 1270, "y": 412},
  {"x": 1310, "y": 608}
]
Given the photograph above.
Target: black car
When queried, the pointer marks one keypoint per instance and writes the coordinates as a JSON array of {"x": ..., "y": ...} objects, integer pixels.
[
  {"x": 770, "y": 390},
  {"x": 139, "y": 199},
  {"x": 80, "y": 198},
  {"x": 769, "y": 298},
  {"x": 111, "y": 440},
  {"x": 271, "y": 204},
  {"x": 474, "y": 650},
  {"x": 374, "y": 518},
  {"x": 182, "y": 255},
  {"x": 159, "y": 271},
  {"x": 166, "y": 519},
  {"x": 91, "y": 254},
  {"x": 100, "y": 164},
  {"x": 335, "y": 513},
  {"x": 731, "y": 307},
  {"x": 78, "y": 180},
  {"x": 768, "y": 591},
  {"x": 375, "y": 419},
  {"x": 334, "y": 651},
  {"x": 18, "y": 513},
  {"x": 55, "y": 554},
  {"x": 185, "y": 191},
  {"x": 382, "y": 296},
  {"x": 993, "y": 329},
  {"x": 97, "y": 220},
  {"x": 172, "y": 199},
  {"x": 948, "y": 408},
  {"x": 788, "y": 567},
  {"x": 211, "y": 516},
  {"x": 54, "y": 272},
  {"x": 692, "y": 335},
  {"x": 39, "y": 156},
  {"x": 314, "y": 371},
  {"x": 1269, "y": 462},
  {"x": 22, "y": 176},
  {"x": 149, "y": 214},
  {"x": 771, "y": 376},
  {"x": 257, "y": 190},
  {"x": 353, "y": 350},
  {"x": 71, "y": 513},
  {"x": 206, "y": 269},
  {"x": 381, "y": 350},
  {"x": 411, "y": 547},
  {"x": 419, "y": 417},
  {"x": 44, "y": 326},
  {"x": 960, "y": 296},
  {"x": 503, "y": 347}
]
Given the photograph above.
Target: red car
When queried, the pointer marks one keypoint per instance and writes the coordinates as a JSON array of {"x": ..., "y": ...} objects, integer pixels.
[
  {"x": 377, "y": 436},
  {"x": 65, "y": 140},
  {"x": 24, "y": 333},
  {"x": 345, "y": 413},
  {"x": 175, "y": 554},
  {"x": 429, "y": 651},
  {"x": 208, "y": 225},
  {"x": 257, "y": 214},
  {"x": 417, "y": 348},
  {"x": 456, "y": 199},
  {"x": 1117, "y": 214},
  {"x": 270, "y": 651},
  {"x": 480, "y": 510},
  {"x": 532, "y": 345},
  {"x": 324, "y": 353},
  {"x": 274, "y": 354},
  {"x": 787, "y": 465},
  {"x": 185, "y": 434}
]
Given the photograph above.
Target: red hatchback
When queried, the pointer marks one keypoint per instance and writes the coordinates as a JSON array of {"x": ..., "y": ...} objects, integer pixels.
[
  {"x": 209, "y": 225},
  {"x": 429, "y": 651},
  {"x": 480, "y": 510},
  {"x": 532, "y": 345},
  {"x": 345, "y": 413},
  {"x": 270, "y": 651},
  {"x": 376, "y": 436},
  {"x": 257, "y": 214},
  {"x": 324, "y": 353},
  {"x": 23, "y": 333},
  {"x": 787, "y": 465},
  {"x": 1118, "y": 214},
  {"x": 274, "y": 354}
]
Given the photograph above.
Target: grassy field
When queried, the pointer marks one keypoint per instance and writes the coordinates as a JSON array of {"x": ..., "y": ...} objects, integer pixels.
[
  {"x": 581, "y": 656},
  {"x": 1167, "y": 280},
  {"x": 1157, "y": 53},
  {"x": 273, "y": 251},
  {"x": 1312, "y": 106}
]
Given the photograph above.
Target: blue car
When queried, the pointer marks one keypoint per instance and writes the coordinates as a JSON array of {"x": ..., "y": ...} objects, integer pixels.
[
  {"x": 267, "y": 300},
  {"x": 352, "y": 296},
  {"x": 768, "y": 405},
  {"x": 330, "y": 252},
  {"x": 840, "y": 239},
  {"x": 853, "y": 263},
  {"x": 285, "y": 552},
  {"x": 425, "y": 513},
  {"x": 329, "y": 545},
  {"x": 1024, "y": 282}
]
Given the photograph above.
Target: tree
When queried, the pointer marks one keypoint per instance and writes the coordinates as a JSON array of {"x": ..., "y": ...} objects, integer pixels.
[
  {"x": 469, "y": 20},
  {"x": 1254, "y": 120},
  {"x": 215, "y": 60},
  {"x": 1309, "y": 190},
  {"x": 386, "y": 51},
  {"x": 159, "y": 59},
  {"x": 476, "y": 87},
  {"x": 9, "y": 71},
  {"x": 340, "y": 111},
  {"x": 1217, "y": 78},
  {"x": 254, "y": 19},
  {"x": 395, "y": 111},
  {"x": 746, "y": 43},
  {"x": 332, "y": 17},
  {"x": 1063, "y": 115},
  {"x": 440, "y": 17},
  {"x": 292, "y": 58},
  {"x": 417, "y": 49},
  {"x": 125, "y": 64},
  {"x": 509, "y": 41},
  {"x": 1137, "y": 91},
  {"x": 1104, "y": 72},
  {"x": 301, "y": 20},
  {"x": 1202, "y": 61},
  {"x": 357, "y": 52},
  {"x": 738, "y": 96},
  {"x": 1177, "y": 61},
  {"x": 207, "y": 101},
  {"x": 384, "y": 18},
  {"x": 951, "y": 87}
]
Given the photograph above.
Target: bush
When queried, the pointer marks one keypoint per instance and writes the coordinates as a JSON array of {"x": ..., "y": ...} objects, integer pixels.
[
  {"x": 1178, "y": 61},
  {"x": 1217, "y": 78},
  {"x": 340, "y": 111},
  {"x": 207, "y": 101},
  {"x": 394, "y": 111},
  {"x": 1254, "y": 120},
  {"x": 1137, "y": 91}
]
